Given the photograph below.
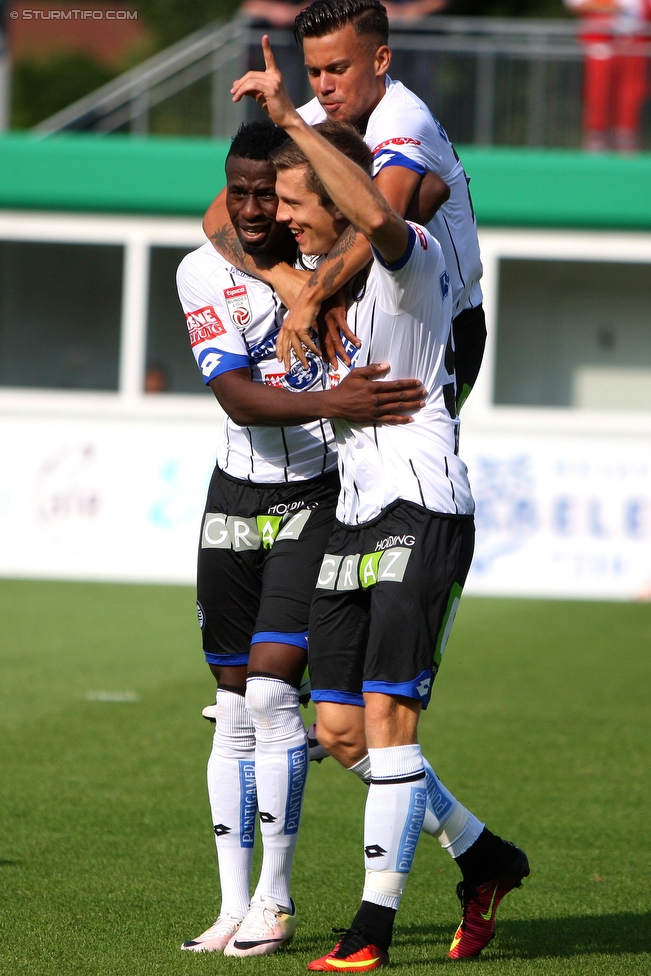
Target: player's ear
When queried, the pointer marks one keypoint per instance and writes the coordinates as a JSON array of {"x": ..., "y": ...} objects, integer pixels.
[
  {"x": 382, "y": 59},
  {"x": 337, "y": 214}
]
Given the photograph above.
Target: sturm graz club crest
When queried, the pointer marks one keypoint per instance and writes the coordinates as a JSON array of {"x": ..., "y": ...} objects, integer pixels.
[{"x": 298, "y": 378}]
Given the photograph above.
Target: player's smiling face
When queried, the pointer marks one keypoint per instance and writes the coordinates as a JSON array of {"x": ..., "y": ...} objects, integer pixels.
[
  {"x": 316, "y": 227},
  {"x": 251, "y": 202},
  {"x": 347, "y": 73}
]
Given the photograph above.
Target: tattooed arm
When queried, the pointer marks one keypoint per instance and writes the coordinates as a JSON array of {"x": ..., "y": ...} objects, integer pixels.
[
  {"x": 351, "y": 253},
  {"x": 405, "y": 192}
]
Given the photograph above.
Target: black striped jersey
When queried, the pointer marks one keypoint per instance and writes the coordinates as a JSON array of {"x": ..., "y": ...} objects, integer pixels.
[
  {"x": 401, "y": 131},
  {"x": 403, "y": 313},
  {"x": 233, "y": 320}
]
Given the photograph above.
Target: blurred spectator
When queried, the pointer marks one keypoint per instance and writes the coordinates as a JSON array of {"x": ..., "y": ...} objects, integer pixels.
[
  {"x": 617, "y": 46},
  {"x": 156, "y": 379},
  {"x": 413, "y": 9},
  {"x": 276, "y": 13}
]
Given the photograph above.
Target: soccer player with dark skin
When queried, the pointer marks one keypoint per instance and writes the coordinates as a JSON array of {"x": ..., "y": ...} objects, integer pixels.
[
  {"x": 254, "y": 597},
  {"x": 490, "y": 866}
]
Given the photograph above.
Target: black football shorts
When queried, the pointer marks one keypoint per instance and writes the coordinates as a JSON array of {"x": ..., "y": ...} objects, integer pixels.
[
  {"x": 384, "y": 604},
  {"x": 259, "y": 556}
]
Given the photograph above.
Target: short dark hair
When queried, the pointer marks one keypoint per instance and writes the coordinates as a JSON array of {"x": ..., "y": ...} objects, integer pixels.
[
  {"x": 257, "y": 140},
  {"x": 343, "y": 137},
  {"x": 322, "y": 17}
]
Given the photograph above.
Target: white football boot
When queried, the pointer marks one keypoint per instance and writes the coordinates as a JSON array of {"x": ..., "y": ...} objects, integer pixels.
[
  {"x": 264, "y": 930},
  {"x": 217, "y": 937}
]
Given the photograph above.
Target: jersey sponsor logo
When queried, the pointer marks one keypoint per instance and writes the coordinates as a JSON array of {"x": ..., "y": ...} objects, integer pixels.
[
  {"x": 297, "y": 768},
  {"x": 265, "y": 349},
  {"x": 444, "y": 281},
  {"x": 413, "y": 827},
  {"x": 203, "y": 324},
  {"x": 397, "y": 141},
  {"x": 239, "y": 308},
  {"x": 354, "y": 571}
]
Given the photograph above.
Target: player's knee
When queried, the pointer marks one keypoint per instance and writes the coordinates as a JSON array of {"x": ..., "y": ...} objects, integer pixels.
[
  {"x": 272, "y": 705},
  {"x": 345, "y": 743}
]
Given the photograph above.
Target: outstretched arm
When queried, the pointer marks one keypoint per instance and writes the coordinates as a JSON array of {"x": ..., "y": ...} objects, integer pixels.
[
  {"x": 360, "y": 398},
  {"x": 410, "y": 196},
  {"x": 349, "y": 188}
]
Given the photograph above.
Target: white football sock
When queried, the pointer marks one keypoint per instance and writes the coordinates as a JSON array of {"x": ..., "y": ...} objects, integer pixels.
[
  {"x": 280, "y": 771},
  {"x": 231, "y": 789},
  {"x": 393, "y": 819},
  {"x": 455, "y": 828}
]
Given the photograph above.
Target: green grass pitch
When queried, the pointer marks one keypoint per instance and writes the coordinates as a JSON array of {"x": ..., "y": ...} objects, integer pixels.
[{"x": 540, "y": 723}]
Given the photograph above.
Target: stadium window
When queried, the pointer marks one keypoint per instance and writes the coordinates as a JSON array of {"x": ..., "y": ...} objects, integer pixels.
[
  {"x": 170, "y": 365},
  {"x": 60, "y": 309},
  {"x": 574, "y": 334}
]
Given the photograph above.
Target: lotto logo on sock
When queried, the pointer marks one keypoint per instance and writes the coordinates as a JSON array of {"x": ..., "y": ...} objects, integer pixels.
[
  {"x": 413, "y": 827},
  {"x": 297, "y": 768},
  {"x": 248, "y": 803}
]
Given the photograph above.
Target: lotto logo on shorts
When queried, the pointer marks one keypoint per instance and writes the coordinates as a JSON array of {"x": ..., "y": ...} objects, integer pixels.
[
  {"x": 203, "y": 324},
  {"x": 355, "y": 571}
]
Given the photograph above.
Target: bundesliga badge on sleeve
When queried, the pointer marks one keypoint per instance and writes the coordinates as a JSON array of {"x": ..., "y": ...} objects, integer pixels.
[{"x": 238, "y": 305}]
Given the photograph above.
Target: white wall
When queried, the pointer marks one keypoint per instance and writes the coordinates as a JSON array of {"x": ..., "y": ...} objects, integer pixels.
[{"x": 111, "y": 486}]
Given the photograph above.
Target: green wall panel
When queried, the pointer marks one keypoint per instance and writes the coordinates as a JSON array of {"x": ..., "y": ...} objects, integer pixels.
[{"x": 120, "y": 174}]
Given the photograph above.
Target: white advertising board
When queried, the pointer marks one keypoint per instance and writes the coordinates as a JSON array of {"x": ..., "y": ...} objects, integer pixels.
[
  {"x": 120, "y": 499},
  {"x": 103, "y": 499},
  {"x": 561, "y": 516}
]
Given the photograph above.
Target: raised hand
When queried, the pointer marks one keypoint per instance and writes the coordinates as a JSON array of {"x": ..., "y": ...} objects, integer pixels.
[{"x": 267, "y": 88}]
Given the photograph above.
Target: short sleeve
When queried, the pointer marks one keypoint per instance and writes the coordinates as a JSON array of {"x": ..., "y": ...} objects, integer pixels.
[
  {"x": 217, "y": 346},
  {"x": 402, "y": 285}
]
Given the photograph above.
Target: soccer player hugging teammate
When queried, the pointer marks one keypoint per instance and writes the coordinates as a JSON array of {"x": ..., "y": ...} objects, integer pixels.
[
  {"x": 402, "y": 543},
  {"x": 268, "y": 516},
  {"x": 347, "y": 57}
]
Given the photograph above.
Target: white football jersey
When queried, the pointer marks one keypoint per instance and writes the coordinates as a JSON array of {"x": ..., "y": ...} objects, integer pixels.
[
  {"x": 402, "y": 314},
  {"x": 233, "y": 320},
  {"x": 402, "y": 131}
]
